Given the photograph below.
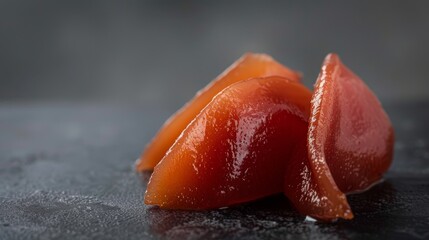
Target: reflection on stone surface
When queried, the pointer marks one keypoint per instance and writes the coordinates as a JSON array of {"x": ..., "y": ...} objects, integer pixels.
[{"x": 379, "y": 208}]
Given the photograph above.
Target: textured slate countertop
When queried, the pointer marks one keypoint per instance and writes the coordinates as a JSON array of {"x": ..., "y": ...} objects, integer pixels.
[{"x": 66, "y": 172}]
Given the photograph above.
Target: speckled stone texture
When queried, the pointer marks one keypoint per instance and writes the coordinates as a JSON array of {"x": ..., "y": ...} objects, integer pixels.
[{"x": 66, "y": 172}]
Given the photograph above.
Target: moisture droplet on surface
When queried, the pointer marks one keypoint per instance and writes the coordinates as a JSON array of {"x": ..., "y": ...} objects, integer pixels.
[{"x": 309, "y": 219}]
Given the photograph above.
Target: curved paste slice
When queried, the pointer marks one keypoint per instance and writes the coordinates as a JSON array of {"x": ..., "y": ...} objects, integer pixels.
[
  {"x": 249, "y": 66},
  {"x": 350, "y": 144},
  {"x": 236, "y": 150}
]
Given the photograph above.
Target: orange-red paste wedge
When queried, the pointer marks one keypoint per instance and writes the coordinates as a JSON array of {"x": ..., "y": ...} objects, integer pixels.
[
  {"x": 248, "y": 66},
  {"x": 349, "y": 145},
  {"x": 256, "y": 131}
]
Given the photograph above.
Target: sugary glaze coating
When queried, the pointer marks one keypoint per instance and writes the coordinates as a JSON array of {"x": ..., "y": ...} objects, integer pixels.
[{"x": 265, "y": 135}]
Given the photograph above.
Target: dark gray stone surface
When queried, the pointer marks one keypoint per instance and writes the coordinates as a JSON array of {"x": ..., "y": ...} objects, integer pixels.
[{"x": 66, "y": 172}]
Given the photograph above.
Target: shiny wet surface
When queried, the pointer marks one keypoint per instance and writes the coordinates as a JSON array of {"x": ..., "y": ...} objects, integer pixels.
[{"x": 66, "y": 171}]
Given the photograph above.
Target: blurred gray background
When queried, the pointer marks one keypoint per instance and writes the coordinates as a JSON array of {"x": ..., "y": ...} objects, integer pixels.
[{"x": 162, "y": 52}]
